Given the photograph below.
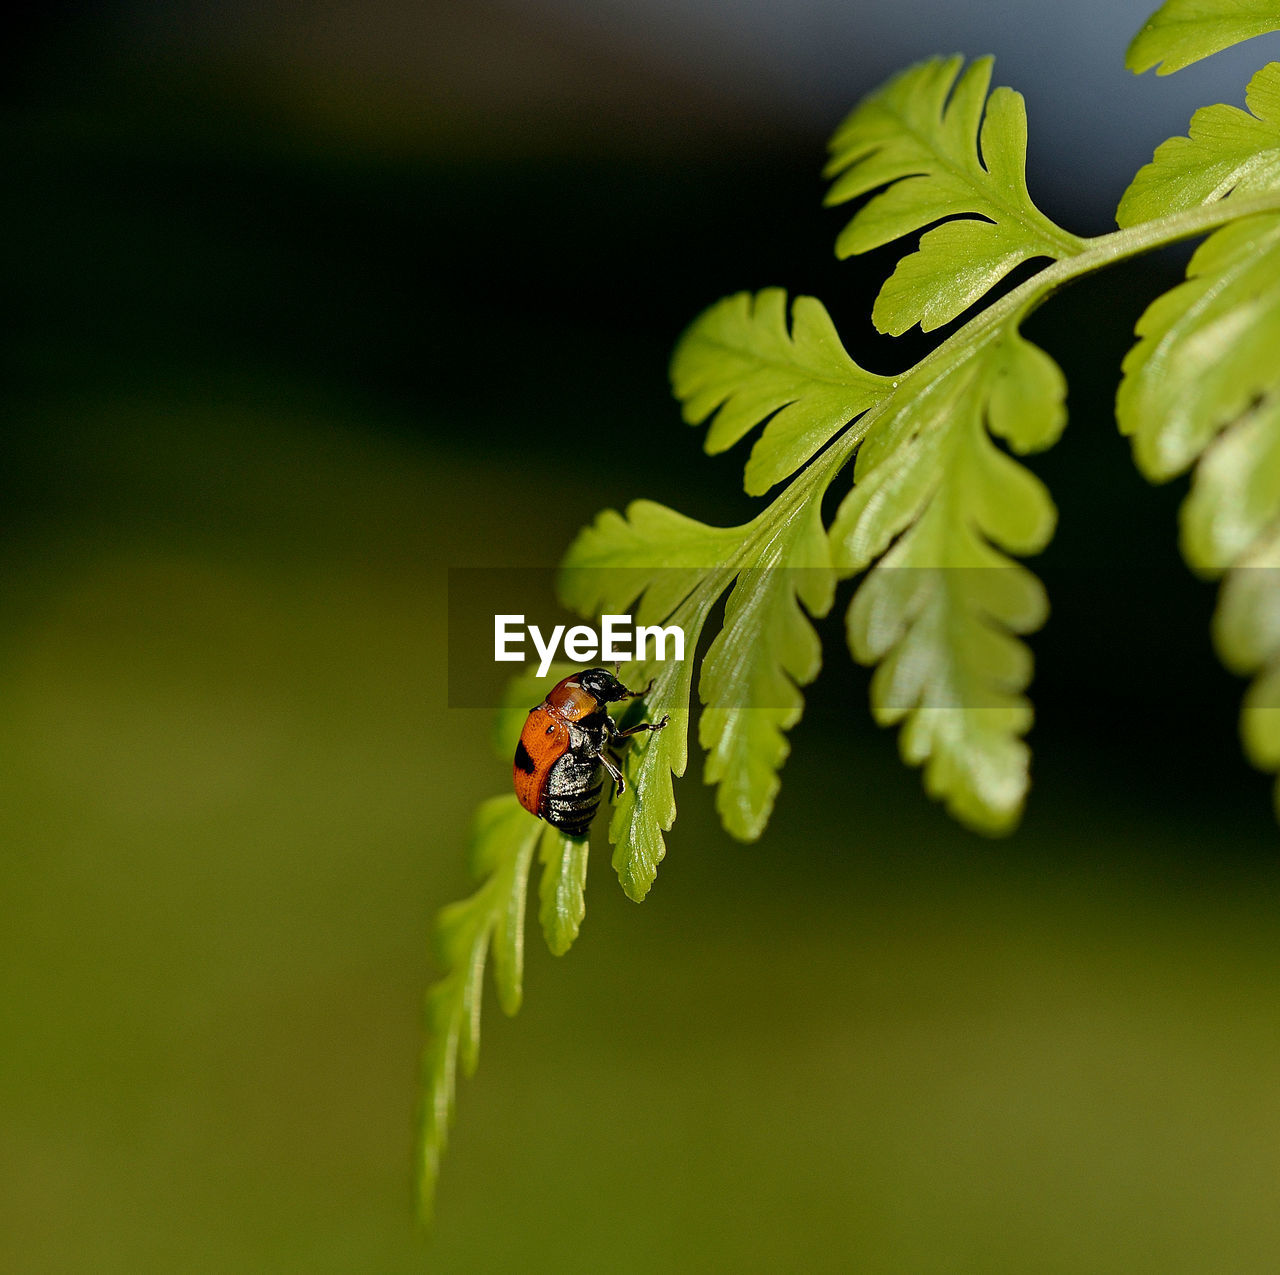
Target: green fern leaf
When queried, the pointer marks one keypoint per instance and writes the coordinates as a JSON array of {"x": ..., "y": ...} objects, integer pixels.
[
  {"x": 502, "y": 843},
  {"x": 1247, "y": 635},
  {"x": 1228, "y": 152},
  {"x": 1207, "y": 351},
  {"x": 1203, "y": 383},
  {"x": 1202, "y": 386},
  {"x": 750, "y": 678},
  {"x": 562, "y": 890},
  {"x": 925, "y": 137},
  {"x": 1235, "y": 495},
  {"x": 739, "y": 361},
  {"x": 753, "y": 670},
  {"x": 939, "y": 508},
  {"x": 936, "y": 501},
  {"x": 653, "y": 554},
  {"x": 667, "y": 562},
  {"x": 647, "y": 809},
  {"x": 1181, "y": 32}
]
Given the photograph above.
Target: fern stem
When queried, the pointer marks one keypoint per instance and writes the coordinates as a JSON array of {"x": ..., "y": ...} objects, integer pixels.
[
  {"x": 1120, "y": 245},
  {"x": 1095, "y": 254},
  {"x": 965, "y": 343}
]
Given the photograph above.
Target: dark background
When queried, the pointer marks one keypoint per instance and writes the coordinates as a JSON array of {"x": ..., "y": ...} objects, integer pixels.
[{"x": 311, "y": 302}]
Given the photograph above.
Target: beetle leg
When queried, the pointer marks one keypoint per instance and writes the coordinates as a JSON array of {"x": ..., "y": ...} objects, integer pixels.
[
  {"x": 636, "y": 729},
  {"x": 640, "y": 694},
  {"x": 614, "y": 766}
]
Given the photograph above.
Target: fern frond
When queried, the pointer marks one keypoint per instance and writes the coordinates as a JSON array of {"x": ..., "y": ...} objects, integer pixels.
[
  {"x": 1202, "y": 386},
  {"x": 1228, "y": 152},
  {"x": 492, "y": 919},
  {"x": 1181, "y": 32},
  {"x": 925, "y": 137},
  {"x": 939, "y": 509},
  {"x": 739, "y": 361},
  {"x": 939, "y": 505},
  {"x": 937, "y": 613}
]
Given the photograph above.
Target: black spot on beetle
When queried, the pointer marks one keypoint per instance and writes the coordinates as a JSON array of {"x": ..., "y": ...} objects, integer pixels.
[{"x": 523, "y": 760}]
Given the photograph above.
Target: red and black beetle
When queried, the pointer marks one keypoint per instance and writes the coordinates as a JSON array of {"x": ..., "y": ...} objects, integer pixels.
[{"x": 565, "y": 745}]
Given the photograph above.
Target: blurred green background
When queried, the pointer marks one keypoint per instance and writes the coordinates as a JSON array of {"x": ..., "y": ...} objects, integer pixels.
[{"x": 309, "y": 304}]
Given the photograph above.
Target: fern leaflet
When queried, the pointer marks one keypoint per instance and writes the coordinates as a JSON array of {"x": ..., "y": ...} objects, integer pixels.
[
  {"x": 739, "y": 361},
  {"x": 1181, "y": 32},
  {"x": 936, "y": 501},
  {"x": 925, "y": 137},
  {"x": 1228, "y": 152},
  {"x": 492, "y": 919},
  {"x": 752, "y": 670},
  {"x": 1203, "y": 385}
]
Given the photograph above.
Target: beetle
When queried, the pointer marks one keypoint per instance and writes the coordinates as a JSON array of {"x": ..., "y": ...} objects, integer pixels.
[{"x": 565, "y": 745}]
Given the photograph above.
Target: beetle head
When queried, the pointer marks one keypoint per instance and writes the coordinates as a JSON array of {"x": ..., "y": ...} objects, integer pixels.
[{"x": 603, "y": 685}]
